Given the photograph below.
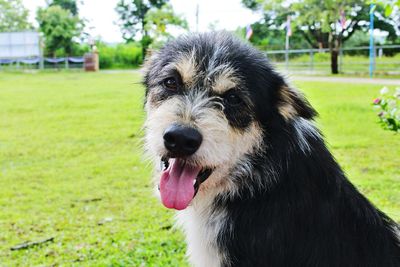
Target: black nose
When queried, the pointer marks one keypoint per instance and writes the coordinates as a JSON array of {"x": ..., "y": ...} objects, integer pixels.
[{"x": 182, "y": 140}]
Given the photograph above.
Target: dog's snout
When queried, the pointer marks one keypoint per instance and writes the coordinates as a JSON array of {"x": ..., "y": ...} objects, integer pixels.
[{"x": 182, "y": 140}]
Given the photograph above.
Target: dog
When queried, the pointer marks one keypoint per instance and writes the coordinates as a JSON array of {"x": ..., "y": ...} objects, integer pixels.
[{"x": 245, "y": 167}]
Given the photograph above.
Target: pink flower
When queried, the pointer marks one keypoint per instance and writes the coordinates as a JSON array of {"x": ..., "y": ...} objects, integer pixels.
[{"x": 377, "y": 101}]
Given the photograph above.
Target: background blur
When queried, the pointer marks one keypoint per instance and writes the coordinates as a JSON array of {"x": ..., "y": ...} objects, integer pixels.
[
  {"x": 75, "y": 188},
  {"x": 307, "y": 37}
]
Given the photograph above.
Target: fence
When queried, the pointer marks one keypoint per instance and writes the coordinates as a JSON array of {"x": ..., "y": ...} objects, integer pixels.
[
  {"x": 353, "y": 60},
  {"x": 42, "y": 63},
  {"x": 21, "y": 50}
]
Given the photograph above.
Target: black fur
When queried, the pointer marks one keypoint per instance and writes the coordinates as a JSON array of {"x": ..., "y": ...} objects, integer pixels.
[
  {"x": 312, "y": 216},
  {"x": 304, "y": 211}
]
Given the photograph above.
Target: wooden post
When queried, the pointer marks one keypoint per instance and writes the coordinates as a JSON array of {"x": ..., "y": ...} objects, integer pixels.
[
  {"x": 311, "y": 60},
  {"x": 91, "y": 61},
  {"x": 340, "y": 59}
]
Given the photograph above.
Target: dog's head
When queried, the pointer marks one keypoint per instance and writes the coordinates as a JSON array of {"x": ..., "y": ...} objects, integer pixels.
[{"x": 210, "y": 101}]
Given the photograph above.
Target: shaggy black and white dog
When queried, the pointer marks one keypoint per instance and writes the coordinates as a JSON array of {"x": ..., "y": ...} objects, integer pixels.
[{"x": 245, "y": 166}]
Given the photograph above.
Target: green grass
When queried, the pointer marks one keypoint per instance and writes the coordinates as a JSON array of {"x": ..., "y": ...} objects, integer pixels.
[{"x": 71, "y": 167}]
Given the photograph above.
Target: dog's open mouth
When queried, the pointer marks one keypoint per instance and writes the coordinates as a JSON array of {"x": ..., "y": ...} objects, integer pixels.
[{"x": 180, "y": 182}]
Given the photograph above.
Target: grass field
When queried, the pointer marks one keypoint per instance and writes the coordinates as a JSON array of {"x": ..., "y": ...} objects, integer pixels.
[{"x": 71, "y": 167}]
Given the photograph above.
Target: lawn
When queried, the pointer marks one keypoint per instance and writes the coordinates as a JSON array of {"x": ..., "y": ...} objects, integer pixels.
[{"x": 71, "y": 167}]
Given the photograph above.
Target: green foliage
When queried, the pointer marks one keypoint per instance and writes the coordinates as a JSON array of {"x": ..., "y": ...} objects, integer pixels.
[
  {"x": 71, "y": 166},
  {"x": 317, "y": 21},
  {"x": 389, "y": 5},
  {"x": 132, "y": 15},
  {"x": 13, "y": 16},
  {"x": 65, "y": 4},
  {"x": 80, "y": 49},
  {"x": 120, "y": 56},
  {"x": 146, "y": 41},
  {"x": 360, "y": 38},
  {"x": 106, "y": 56},
  {"x": 267, "y": 35},
  {"x": 60, "y": 29},
  {"x": 252, "y": 4},
  {"x": 158, "y": 21},
  {"x": 389, "y": 109},
  {"x": 148, "y": 20}
]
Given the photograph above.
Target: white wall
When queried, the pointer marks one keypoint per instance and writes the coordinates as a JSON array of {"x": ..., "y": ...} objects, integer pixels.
[{"x": 19, "y": 44}]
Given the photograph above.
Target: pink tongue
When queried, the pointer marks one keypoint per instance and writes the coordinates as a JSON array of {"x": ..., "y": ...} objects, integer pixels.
[{"x": 176, "y": 184}]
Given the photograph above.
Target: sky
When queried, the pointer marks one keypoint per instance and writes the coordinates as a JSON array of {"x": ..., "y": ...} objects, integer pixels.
[{"x": 223, "y": 14}]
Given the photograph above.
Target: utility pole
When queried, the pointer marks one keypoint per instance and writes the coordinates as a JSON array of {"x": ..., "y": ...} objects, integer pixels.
[
  {"x": 371, "y": 41},
  {"x": 288, "y": 34},
  {"x": 197, "y": 17}
]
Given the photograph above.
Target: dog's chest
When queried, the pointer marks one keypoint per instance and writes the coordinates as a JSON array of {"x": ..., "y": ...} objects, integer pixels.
[{"x": 202, "y": 228}]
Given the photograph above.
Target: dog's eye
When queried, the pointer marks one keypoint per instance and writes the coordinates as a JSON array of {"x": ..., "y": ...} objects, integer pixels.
[
  {"x": 232, "y": 99},
  {"x": 171, "y": 84}
]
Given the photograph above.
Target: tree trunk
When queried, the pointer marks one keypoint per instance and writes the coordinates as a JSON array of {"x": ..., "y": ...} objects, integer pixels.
[
  {"x": 334, "y": 50},
  {"x": 334, "y": 61}
]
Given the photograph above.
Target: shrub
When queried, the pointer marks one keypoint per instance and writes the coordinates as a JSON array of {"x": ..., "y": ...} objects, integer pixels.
[
  {"x": 79, "y": 50},
  {"x": 106, "y": 56},
  {"x": 128, "y": 55},
  {"x": 120, "y": 56},
  {"x": 389, "y": 109}
]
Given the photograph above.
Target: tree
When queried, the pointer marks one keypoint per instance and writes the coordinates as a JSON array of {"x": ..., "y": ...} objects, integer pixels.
[
  {"x": 318, "y": 22},
  {"x": 13, "y": 16},
  {"x": 267, "y": 33},
  {"x": 135, "y": 22},
  {"x": 60, "y": 28},
  {"x": 70, "y": 5},
  {"x": 132, "y": 15},
  {"x": 158, "y": 20}
]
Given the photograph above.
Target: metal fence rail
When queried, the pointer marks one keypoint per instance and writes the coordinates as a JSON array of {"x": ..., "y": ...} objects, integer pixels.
[
  {"x": 42, "y": 63},
  {"x": 350, "y": 60}
]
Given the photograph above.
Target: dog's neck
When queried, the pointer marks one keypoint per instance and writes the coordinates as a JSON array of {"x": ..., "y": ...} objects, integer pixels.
[{"x": 202, "y": 225}]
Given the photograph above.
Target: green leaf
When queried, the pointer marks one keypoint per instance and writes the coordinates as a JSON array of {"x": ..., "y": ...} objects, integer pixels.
[{"x": 388, "y": 10}]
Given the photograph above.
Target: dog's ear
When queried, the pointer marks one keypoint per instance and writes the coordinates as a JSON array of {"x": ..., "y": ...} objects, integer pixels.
[{"x": 292, "y": 104}]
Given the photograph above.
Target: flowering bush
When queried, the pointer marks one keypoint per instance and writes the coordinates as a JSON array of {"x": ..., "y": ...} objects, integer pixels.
[{"x": 389, "y": 109}]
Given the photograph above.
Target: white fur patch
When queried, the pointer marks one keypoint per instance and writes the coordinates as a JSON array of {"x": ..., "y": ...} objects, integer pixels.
[
  {"x": 305, "y": 129},
  {"x": 202, "y": 227}
]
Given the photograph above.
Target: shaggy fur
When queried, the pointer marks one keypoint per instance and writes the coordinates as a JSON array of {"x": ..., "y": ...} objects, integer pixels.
[{"x": 276, "y": 196}]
